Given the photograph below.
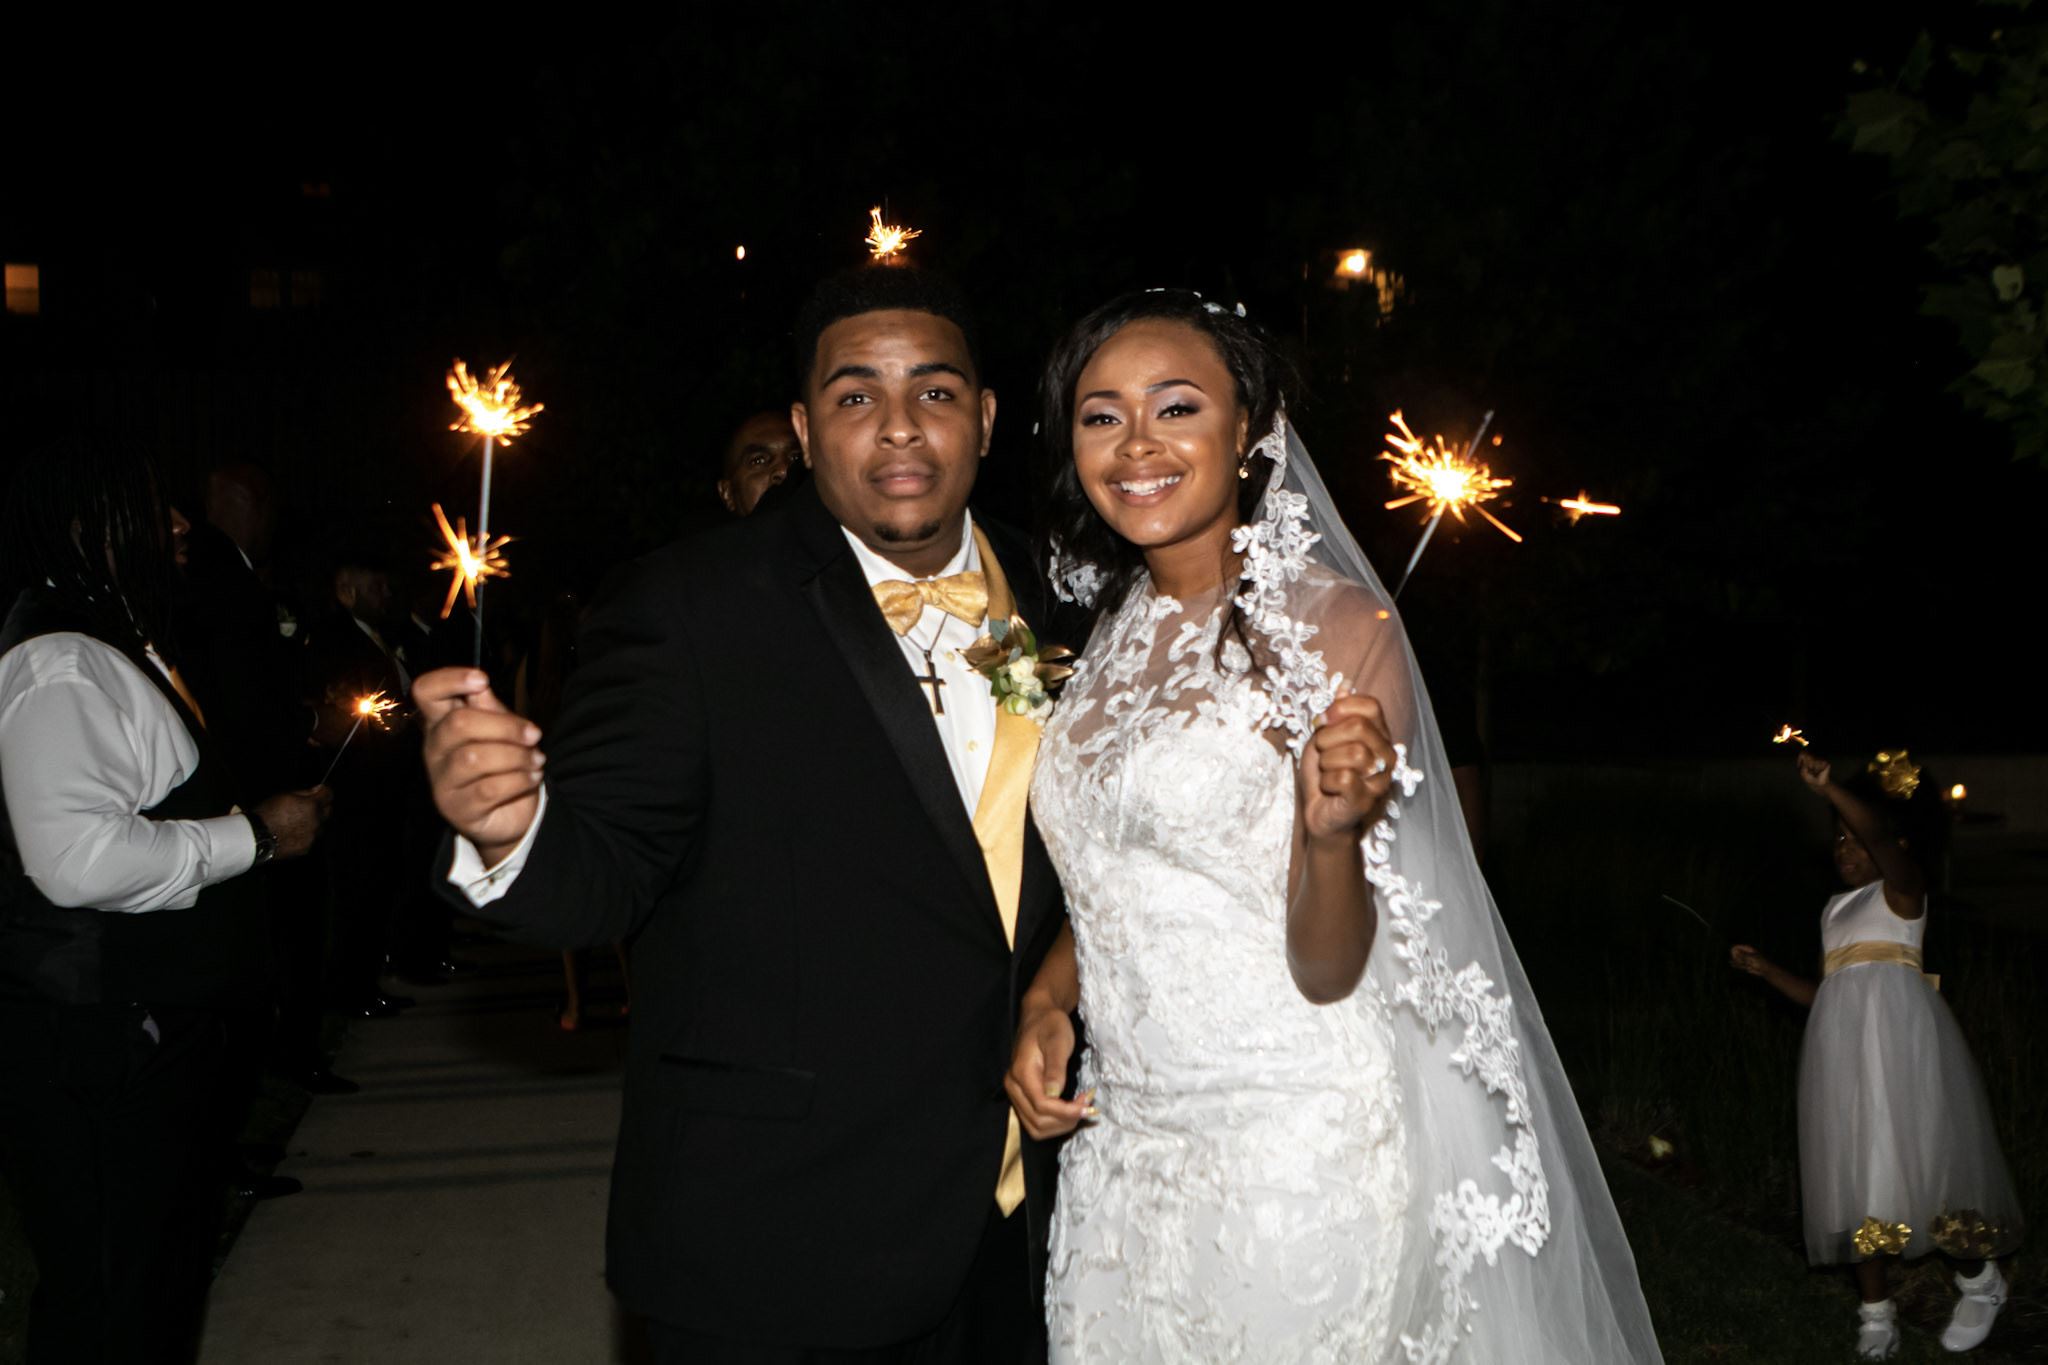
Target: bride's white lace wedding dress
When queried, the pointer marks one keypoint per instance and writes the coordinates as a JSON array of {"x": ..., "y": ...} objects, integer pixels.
[
  {"x": 1402, "y": 1175},
  {"x": 1241, "y": 1196}
]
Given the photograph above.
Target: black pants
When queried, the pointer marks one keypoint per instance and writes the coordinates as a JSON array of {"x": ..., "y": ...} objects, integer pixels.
[
  {"x": 110, "y": 1136},
  {"x": 300, "y": 940},
  {"x": 999, "y": 1319}
]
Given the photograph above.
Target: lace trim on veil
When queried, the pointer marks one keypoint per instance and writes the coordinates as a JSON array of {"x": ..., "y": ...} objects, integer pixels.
[{"x": 1465, "y": 1222}]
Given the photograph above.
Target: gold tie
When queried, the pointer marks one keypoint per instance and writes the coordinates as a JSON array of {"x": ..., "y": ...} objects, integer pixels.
[
  {"x": 964, "y": 595},
  {"x": 999, "y": 829}
]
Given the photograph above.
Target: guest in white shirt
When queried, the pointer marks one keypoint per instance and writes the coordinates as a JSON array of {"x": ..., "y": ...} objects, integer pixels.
[{"x": 128, "y": 929}]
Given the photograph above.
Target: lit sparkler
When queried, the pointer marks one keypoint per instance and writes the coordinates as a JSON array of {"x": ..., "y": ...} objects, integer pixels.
[
  {"x": 371, "y": 706},
  {"x": 1442, "y": 479},
  {"x": 471, "y": 563},
  {"x": 1787, "y": 735},
  {"x": 1581, "y": 506},
  {"x": 497, "y": 411},
  {"x": 494, "y": 410},
  {"x": 887, "y": 240}
]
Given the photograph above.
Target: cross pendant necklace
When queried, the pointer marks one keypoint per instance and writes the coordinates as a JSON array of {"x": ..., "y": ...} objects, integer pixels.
[{"x": 930, "y": 677}]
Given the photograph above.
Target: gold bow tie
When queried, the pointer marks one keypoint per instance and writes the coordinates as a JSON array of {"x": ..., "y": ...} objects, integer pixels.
[{"x": 964, "y": 595}]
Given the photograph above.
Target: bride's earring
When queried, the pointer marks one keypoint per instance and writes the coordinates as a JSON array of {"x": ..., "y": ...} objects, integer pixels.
[{"x": 1244, "y": 467}]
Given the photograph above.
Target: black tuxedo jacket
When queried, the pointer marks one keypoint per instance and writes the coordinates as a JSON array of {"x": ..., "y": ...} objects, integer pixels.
[
  {"x": 246, "y": 674},
  {"x": 746, "y": 775}
]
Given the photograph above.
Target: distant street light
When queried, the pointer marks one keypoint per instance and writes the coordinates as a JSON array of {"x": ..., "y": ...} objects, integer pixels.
[{"x": 1355, "y": 267}]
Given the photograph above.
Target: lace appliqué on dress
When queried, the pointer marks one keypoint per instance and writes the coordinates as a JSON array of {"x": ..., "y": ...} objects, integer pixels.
[
  {"x": 1299, "y": 686},
  {"x": 1466, "y": 1223}
]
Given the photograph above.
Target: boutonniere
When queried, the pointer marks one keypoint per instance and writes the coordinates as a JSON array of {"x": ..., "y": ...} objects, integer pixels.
[{"x": 1022, "y": 675}]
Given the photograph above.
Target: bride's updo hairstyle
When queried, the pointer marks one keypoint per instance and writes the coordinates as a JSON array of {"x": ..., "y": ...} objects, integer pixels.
[{"x": 1091, "y": 563}]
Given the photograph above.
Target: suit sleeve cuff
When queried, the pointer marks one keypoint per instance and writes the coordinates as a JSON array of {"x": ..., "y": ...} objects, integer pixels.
[{"x": 481, "y": 884}]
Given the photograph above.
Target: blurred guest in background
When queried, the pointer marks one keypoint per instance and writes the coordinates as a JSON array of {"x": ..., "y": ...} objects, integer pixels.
[
  {"x": 762, "y": 454},
  {"x": 129, "y": 932},
  {"x": 350, "y": 654}
]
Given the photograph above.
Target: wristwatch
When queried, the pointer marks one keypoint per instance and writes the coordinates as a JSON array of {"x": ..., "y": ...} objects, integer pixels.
[{"x": 266, "y": 842}]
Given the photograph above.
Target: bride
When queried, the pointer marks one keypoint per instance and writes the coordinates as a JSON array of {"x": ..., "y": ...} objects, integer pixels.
[{"x": 1319, "y": 1116}]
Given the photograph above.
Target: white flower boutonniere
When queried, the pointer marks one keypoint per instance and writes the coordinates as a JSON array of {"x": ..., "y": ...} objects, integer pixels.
[{"x": 1022, "y": 675}]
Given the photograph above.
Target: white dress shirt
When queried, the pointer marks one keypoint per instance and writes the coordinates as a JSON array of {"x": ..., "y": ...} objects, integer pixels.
[
  {"x": 967, "y": 729},
  {"x": 87, "y": 743}
]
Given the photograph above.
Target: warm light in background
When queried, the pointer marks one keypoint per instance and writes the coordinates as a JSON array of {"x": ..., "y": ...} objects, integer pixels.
[
  {"x": 739, "y": 253},
  {"x": 1958, "y": 793},
  {"x": 24, "y": 289},
  {"x": 1355, "y": 268}
]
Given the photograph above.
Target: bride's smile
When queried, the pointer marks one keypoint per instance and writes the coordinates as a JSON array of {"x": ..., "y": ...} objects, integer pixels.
[{"x": 1157, "y": 435}]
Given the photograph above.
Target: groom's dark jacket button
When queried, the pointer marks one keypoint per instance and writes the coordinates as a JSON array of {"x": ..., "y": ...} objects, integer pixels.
[{"x": 706, "y": 1085}]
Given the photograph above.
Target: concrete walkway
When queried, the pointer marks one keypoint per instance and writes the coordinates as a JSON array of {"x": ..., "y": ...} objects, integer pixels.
[{"x": 454, "y": 1210}]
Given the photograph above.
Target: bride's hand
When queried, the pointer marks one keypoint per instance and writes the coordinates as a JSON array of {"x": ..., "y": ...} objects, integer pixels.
[
  {"x": 1346, "y": 769},
  {"x": 1038, "y": 1073}
]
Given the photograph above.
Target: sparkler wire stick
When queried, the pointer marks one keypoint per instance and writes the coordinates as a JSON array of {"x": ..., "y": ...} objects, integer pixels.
[
  {"x": 1416, "y": 558},
  {"x": 1690, "y": 911},
  {"x": 342, "y": 750},
  {"x": 483, "y": 538}
]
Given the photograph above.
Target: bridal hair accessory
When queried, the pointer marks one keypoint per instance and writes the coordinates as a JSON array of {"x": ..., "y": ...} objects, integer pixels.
[
  {"x": 1207, "y": 305},
  {"x": 1073, "y": 580}
]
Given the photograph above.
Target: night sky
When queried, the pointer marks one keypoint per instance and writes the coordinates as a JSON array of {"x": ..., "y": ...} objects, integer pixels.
[{"x": 1637, "y": 235}]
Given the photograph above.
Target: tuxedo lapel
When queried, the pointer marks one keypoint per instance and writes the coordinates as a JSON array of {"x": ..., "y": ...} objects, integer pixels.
[{"x": 838, "y": 592}]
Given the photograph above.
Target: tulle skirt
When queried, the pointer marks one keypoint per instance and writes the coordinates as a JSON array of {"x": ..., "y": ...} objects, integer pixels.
[{"x": 1897, "y": 1153}]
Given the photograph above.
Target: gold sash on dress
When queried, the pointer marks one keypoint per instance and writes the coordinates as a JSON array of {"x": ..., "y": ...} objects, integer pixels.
[
  {"x": 1874, "y": 950},
  {"x": 999, "y": 829}
]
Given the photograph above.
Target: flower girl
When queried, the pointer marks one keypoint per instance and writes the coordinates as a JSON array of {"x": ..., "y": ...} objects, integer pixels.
[{"x": 1897, "y": 1155}]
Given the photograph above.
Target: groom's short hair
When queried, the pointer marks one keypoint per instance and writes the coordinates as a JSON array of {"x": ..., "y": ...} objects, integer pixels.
[{"x": 877, "y": 289}]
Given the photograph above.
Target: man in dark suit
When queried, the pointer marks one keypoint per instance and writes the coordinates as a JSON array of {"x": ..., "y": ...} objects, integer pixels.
[
  {"x": 816, "y": 1162},
  {"x": 242, "y": 662}
]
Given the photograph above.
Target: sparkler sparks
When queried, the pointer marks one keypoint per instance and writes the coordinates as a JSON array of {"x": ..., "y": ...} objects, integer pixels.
[
  {"x": 492, "y": 409},
  {"x": 471, "y": 563},
  {"x": 371, "y": 706},
  {"x": 1787, "y": 735},
  {"x": 886, "y": 240},
  {"x": 1580, "y": 507},
  {"x": 1438, "y": 476}
]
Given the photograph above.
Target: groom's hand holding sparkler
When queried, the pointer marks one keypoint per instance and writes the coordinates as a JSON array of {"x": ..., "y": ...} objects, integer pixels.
[{"x": 483, "y": 762}]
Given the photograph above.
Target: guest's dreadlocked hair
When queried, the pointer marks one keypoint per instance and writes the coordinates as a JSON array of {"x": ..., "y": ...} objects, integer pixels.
[{"x": 116, "y": 567}]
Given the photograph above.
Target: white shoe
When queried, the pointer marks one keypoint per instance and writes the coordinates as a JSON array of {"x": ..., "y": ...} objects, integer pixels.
[
  {"x": 1878, "y": 1338},
  {"x": 1976, "y": 1310}
]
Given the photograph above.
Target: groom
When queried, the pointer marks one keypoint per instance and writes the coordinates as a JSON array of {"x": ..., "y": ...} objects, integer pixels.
[{"x": 816, "y": 1161}]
